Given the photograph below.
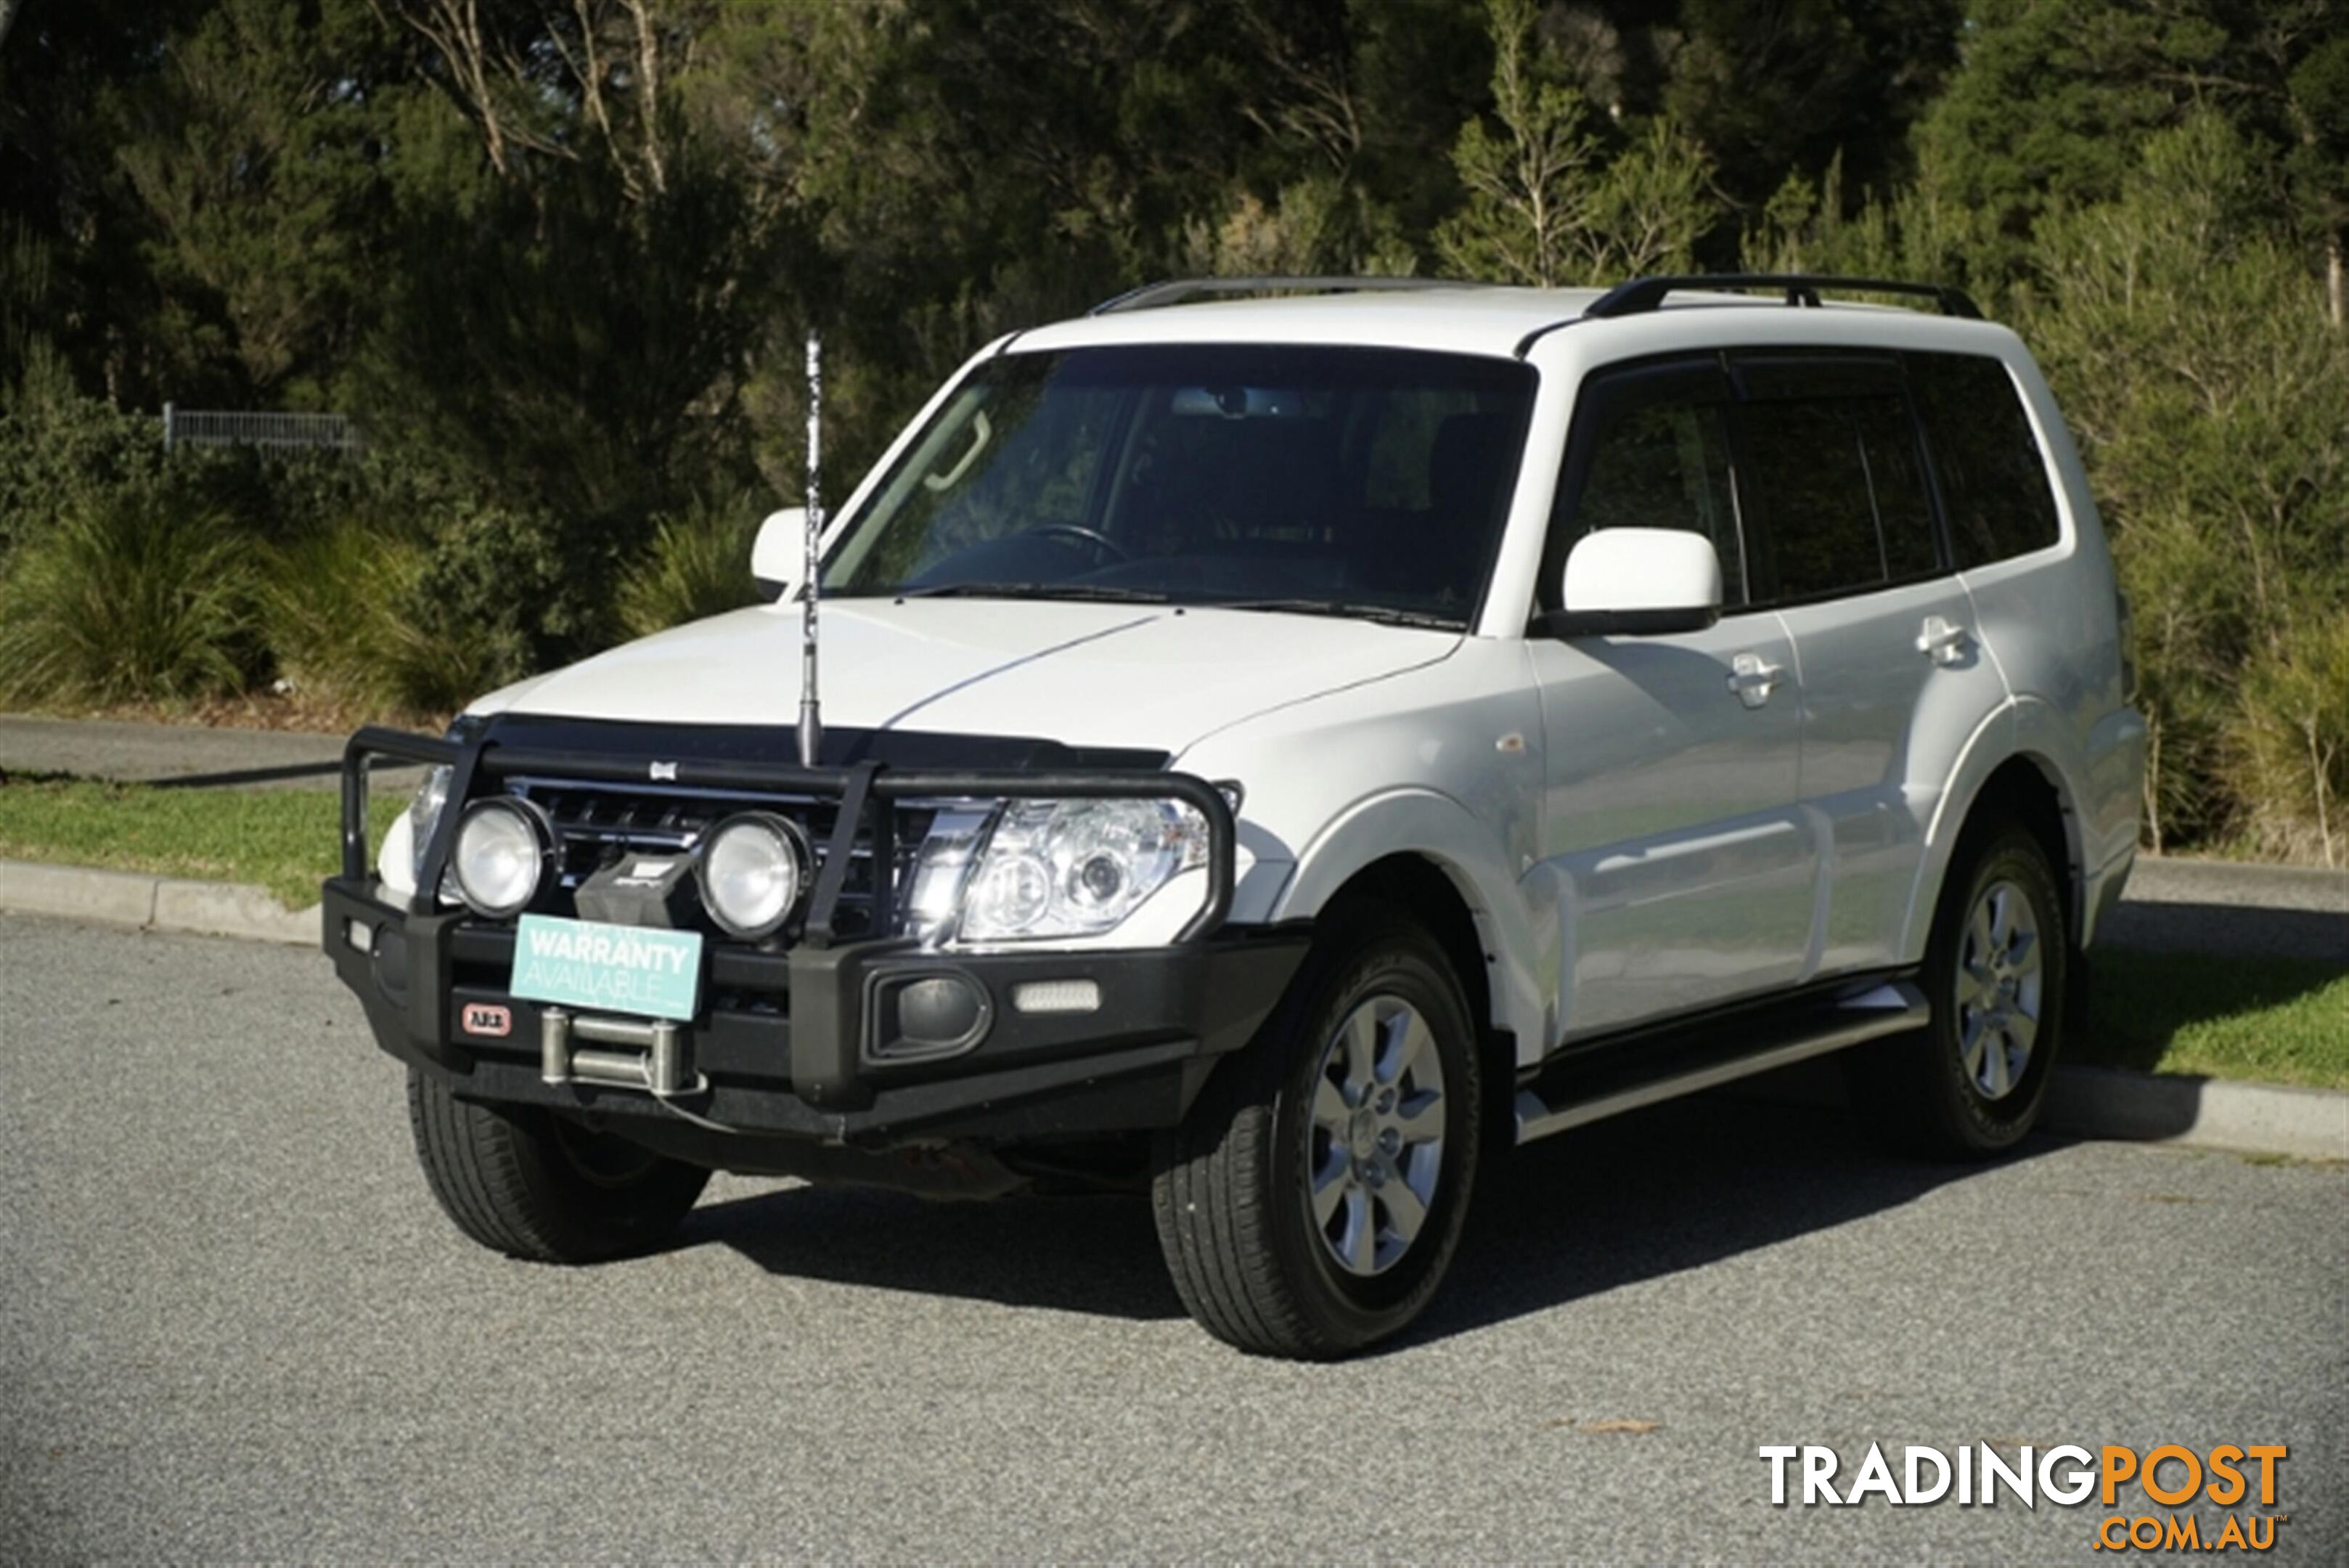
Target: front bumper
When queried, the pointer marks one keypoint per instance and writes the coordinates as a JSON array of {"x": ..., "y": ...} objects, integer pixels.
[{"x": 793, "y": 1044}]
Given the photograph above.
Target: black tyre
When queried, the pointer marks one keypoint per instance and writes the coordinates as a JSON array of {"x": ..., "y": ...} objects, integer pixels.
[
  {"x": 1996, "y": 969},
  {"x": 1312, "y": 1199},
  {"x": 533, "y": 1185}
]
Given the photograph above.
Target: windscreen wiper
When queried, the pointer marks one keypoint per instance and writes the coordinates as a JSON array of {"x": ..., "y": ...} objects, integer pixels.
[{"x": 1385, "y": 615}]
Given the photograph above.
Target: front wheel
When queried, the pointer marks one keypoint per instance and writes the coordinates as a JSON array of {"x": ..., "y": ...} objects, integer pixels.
[
  {"x": 1312, "y": 1199},
  {"x": 533, "y": 1185},
  {"x": 1972, "y": 1082}
]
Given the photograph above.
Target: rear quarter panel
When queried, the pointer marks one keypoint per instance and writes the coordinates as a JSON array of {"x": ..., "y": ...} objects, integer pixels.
[{"x": 2051, "y": 621}]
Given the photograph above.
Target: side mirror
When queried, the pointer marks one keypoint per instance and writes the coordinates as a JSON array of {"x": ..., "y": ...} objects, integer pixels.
[
  {"x": 780, "y": 553},
  {"x": 1637, "y": 582}
]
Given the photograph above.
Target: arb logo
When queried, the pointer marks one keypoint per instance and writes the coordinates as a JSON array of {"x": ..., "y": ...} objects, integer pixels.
[{"x": 485, "y": 1018}]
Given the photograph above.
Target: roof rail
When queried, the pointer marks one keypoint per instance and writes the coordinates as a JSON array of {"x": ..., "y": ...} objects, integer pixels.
[
  {"x": 1644, "y": 294},
  {"x": 1174, "y": 291}
]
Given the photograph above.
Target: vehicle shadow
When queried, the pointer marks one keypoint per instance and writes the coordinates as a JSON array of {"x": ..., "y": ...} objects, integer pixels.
[
  {"x": 1671, "y": 1189},
  {"x": 1665, "y": 1190},
  {"x": 1085, "y": 1254},
  {"x": 2227, "y": 931}
]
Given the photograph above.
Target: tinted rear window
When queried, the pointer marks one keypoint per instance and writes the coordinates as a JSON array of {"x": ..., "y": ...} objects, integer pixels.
[
  {"x": 1993, "y": 476},
  {"x": 1834, "y": 456},
  {"x": 1822, "y": 525}
]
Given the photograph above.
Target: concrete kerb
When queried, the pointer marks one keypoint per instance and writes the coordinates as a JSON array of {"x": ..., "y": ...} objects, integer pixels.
[
  {"x": 154, "y": 903},
  {"x": 2085, "y": 1102},
  {"x": 2205, "y": 1112}
]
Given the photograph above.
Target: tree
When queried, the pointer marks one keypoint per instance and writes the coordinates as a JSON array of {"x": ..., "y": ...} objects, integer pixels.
[
  {"x": 2053, "y": 101},
  {"x": 1546, "y": 206},
  {"x": 2174, "y": 323},
  {"x": 1791, "y": 84},
  {"x": 87, "y": 299},
  {"x": 1528, "y": 185},
  {"x": 255, "y": 155},
  {"x": 2317, "y": 92}
]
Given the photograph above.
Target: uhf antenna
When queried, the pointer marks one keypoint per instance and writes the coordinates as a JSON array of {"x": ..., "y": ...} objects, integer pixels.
[{"x": 811, "y": 710}]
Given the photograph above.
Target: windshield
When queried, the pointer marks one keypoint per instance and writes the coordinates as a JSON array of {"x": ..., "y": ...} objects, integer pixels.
[{"x": 1336, "y": 480}]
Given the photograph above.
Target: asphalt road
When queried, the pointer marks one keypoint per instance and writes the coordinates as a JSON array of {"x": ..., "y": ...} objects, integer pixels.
[{"x": 233, "y": 1325}]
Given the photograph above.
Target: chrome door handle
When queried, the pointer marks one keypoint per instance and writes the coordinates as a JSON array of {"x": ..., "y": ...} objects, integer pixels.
[
  {"x": 1943, "y": 642},
  {"x": 1753, "y": 678}
]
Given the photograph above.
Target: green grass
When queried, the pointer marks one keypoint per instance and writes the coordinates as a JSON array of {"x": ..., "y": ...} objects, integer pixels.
[
  {"x": 288, "y": 841},
  {"x": 2280, "y": 1021}
]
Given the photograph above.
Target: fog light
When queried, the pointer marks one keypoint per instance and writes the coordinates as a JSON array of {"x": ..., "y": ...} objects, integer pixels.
[
  {"x": 1056, "y": 996},
  {"x": 915, "y": 1017},
  {"x": 360, "y": 935},
  {"x": 939, "y": 1012}
]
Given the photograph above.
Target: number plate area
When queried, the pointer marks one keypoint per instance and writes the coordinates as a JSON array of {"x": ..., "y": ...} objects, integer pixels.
[{"x": 607, "y": 969}]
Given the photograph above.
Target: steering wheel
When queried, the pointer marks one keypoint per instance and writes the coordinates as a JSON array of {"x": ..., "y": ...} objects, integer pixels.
[{"x": 1079, "y": 532}]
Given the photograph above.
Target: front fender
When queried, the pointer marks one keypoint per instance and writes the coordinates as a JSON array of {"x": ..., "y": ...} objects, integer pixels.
[{"x": 1440, "y": 829}]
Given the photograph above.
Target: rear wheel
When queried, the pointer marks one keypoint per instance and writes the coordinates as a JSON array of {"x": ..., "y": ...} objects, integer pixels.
[
  {"x": 1312, "y": 1202},
  {"x": 1972, "y": 1082},
  {"x": 531, "y": 1184}
]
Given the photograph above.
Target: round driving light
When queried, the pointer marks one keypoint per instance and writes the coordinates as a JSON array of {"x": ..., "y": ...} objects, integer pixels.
[
  {"x": 499, "y": 856},
  {"x": 752, "y": 868}
]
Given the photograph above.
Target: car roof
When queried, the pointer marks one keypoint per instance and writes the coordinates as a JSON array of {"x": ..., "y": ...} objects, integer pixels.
[{"x": 1465, "y": 318}]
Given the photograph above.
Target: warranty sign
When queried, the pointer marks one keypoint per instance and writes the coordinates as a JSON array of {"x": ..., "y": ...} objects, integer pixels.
[{"x": 607, "y": 969}]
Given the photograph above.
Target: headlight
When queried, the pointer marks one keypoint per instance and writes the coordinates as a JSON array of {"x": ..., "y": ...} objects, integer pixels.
[
  {"x": 499, "y": 856},
  {"x": 752, "y": 868},
  {"x": 1076, "y": 867},
  {"x": 424, "y": 815}
]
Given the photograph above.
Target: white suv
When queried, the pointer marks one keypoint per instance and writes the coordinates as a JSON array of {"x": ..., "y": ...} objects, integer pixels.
[{"x": 1276, "y": 749}]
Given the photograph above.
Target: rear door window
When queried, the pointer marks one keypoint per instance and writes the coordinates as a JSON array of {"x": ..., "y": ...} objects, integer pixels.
[
  {"x": 1829, "y": 452},
  {"x": 1993, "y": 476}
]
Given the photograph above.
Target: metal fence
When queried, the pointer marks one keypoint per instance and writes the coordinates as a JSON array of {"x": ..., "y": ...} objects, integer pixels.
[{"x": 270, "y": 432}]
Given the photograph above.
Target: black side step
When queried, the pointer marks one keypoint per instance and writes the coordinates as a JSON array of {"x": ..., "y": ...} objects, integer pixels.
[{"x": 1591, "y": 1085}]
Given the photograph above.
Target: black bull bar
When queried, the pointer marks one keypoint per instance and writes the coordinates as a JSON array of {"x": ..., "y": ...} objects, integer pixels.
[
  {"x": 1203, "y": 995},
  {"x": 857, "y": 788}
]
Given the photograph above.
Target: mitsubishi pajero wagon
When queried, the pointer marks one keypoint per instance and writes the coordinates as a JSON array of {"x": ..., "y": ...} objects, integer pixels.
[{"x": 1280, "y": 740}]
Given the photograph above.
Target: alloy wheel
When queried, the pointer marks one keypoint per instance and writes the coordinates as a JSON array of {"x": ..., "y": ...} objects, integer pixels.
[
  {"x": 2000, "y": 990},
  {"x": 1375, "y": 1142}
]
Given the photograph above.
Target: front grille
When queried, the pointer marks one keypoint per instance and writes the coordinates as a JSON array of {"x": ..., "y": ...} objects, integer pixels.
[{"x": 597, "y": 824}]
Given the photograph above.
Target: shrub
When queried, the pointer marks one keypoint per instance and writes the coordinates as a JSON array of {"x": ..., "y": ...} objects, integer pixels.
[
  {"x": 697, "y": 565},
  {"x": 133, "y": 593},
  {"x": 2289, "y": 749},
  {"x": 418, "y": 616},
  {"x": 501, "y": 595},
  {"x": 332, "y": 611},
  {"x": 57, "y": 446}
]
